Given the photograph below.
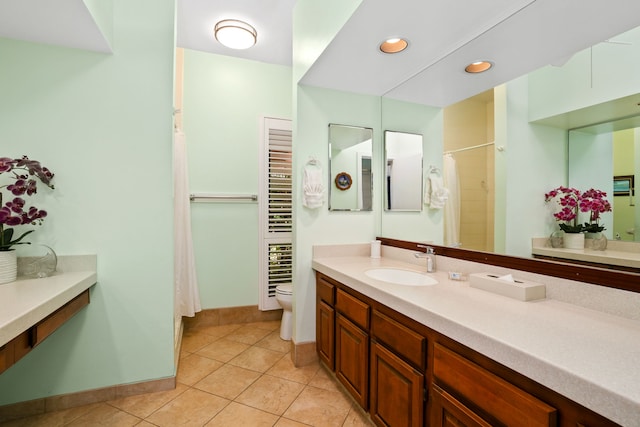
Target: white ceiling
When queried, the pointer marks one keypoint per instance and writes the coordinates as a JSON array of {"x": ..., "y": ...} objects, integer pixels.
[
  {"x": 60, "y": 22},
  {"x": 444, "y": 35},
  {"x": 271, "y": 19}
]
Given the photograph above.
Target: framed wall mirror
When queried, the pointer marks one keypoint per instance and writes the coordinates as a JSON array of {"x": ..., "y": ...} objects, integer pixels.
[
  {"x": 403, "y": 171},
  {"x": 350, "y": 168}
]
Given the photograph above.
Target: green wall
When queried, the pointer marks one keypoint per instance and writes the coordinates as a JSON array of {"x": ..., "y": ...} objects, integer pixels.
[
  {"x": 605, "y": 72},
  {"x": 316, "y": 108},
  {"x": 223, "y": 102},
  {"x": 532, "y": 162},
  {"x": 103, "y": 125}
]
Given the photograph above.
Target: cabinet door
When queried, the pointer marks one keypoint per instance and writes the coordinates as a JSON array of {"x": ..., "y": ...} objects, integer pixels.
[
  {"x": 446, "y": 411},
  {"x": 397, "y": 390},
  {"x": 352, "y": 359},
  {"x": 325, "y": 327},
  {"x": 490, "y": 394}
]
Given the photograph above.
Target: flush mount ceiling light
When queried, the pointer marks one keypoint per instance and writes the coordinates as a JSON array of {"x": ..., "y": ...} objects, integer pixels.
[
  {"x": 393, "y": 45},
  {"x": 235, "y": 34},
  {"x": 478, "y": 67}
]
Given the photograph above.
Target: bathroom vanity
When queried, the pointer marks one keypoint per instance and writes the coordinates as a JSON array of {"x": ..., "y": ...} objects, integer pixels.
[
  {"x": 448, "y": 354},
  {"x": 31, "y": 309}
]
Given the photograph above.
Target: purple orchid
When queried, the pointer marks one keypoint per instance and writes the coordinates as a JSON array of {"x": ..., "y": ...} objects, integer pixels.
[{"x": 14, "y": 212}]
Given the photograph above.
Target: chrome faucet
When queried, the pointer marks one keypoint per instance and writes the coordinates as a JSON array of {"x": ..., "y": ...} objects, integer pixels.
[{"x": 430, "y": 255}]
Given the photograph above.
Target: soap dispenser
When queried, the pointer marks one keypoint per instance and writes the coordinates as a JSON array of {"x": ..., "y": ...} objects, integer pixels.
[{"x": 431, "y": 260}]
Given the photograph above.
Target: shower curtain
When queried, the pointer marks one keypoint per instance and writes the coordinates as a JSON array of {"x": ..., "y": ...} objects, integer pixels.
[
  {"x": 187, "y": 297},
  {"x": 452, "y": 207}
]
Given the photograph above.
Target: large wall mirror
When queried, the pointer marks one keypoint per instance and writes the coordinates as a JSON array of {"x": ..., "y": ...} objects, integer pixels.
[
  {"x": 594, "y": 157},
  {"x": 403, "y": 171},
  {"x": 350, "y": 168}
]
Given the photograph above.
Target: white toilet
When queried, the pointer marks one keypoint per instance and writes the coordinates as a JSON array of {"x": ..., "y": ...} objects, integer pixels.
[{"x": 284, "y": 296}]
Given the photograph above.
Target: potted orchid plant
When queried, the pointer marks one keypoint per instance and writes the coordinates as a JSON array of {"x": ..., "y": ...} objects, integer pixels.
[
  {"x": 569, "y": 201},
  {"x": 595, "y": 203},
  {"x": 20, "y": 181},
  {"x": 572, "y": 202}
]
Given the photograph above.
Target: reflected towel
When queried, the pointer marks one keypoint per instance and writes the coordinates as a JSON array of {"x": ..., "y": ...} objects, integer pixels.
[{"x": 437, "y": 194}]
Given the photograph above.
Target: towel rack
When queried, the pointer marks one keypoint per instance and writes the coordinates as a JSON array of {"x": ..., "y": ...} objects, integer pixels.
[{"x": 210, "y": 197}]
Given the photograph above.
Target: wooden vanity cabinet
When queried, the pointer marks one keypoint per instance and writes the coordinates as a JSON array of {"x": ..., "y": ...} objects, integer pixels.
[
  {"x": 352, "y": 346},
  {"x": 472, "y": 395},
  {"x": 406, "y": 374},
  {"x": 19, "y": 346},
  {"x": 380, "y": 361},
  {"x": 397, "y": 390},
  {"x": 325, "y": 321},
  {"x": 446, "y": 411},
  {"x": 397, "y": 381}
]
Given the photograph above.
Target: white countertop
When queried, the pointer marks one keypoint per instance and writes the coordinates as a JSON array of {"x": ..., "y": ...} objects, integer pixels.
[
  {"x": 586, "y": 355},
  {"x": 26, "y": 301},
  {"x": 614, "y": 254}
]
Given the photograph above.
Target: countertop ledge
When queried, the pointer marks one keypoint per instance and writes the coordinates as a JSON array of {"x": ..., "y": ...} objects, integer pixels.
[
  {"x": 616, "y": 253},
  {"x": 583, "y": 354},
  {"x": 27, "y": 301}
]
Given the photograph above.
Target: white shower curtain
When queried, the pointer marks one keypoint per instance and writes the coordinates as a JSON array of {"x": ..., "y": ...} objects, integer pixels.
[
  {"x": 187, "y": 297},
  {"x": 452, "y": 207}
]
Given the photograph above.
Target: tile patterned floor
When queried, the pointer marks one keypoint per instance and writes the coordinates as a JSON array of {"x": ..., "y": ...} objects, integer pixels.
[{"x": 233, "y": 375}]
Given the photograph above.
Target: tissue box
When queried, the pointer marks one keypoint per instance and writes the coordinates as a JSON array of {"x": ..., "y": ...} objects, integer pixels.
[{"x": 520, "y": 290}]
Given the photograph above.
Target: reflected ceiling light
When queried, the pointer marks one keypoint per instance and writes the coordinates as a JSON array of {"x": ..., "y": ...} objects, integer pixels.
[
  {"x": 235, "y": 34},
  {"x": 393, "y": 45},
  {"x": 478, "y": 67}
]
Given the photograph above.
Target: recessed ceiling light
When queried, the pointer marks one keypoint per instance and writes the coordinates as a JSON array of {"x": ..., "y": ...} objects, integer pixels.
[
  {"x": 235, "y": 34},
  {"x": 478, "y": 67},
  {"x": 393, "y": 45}
]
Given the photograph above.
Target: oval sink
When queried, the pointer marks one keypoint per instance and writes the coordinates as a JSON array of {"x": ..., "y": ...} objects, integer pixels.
[{"x": 401, "y": 277}]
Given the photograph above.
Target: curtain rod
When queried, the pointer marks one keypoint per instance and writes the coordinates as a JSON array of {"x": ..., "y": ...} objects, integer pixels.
[{"x": 468, "y": 148}]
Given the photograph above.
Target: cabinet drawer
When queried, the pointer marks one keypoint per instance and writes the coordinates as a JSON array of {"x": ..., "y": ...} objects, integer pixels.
[
  {"x": 491, "y": 394},
  {"x": 354, "y": 309},
  {"x": 21, "y": 345},
  {"x": 325, "y": 290},
  {"x": 47, "y": 326},
  {"x": 14, "y": 350},
  {"x": 399, "y": 338}
]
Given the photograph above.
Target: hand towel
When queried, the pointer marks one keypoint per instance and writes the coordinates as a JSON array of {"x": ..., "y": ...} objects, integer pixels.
[
  {"x": 312, "y": 188},
  {"x": 438, "y": 195}
]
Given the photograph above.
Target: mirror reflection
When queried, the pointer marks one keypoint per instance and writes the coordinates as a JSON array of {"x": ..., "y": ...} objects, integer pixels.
[
  {"x": 529, "y": 119},
  {"x": 469, "y": 171},
  {"x": 403, "y": 177},
  {"x": 350, "y": 174},
  {"x": 602, "y": 155}
]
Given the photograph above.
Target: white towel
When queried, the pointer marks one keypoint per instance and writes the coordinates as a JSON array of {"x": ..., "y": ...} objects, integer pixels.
[
  {"x": 312, "y": 188},
  {"x": 438, "y": 195}
]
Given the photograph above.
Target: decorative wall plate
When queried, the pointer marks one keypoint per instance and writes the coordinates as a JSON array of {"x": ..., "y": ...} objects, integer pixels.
[{"x": 343, "y": 181}]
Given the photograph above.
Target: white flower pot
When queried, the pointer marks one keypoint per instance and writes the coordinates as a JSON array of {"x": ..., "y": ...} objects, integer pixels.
[
  {"x": 574, "y": 240},
  {"x": 8, "y": 266}
]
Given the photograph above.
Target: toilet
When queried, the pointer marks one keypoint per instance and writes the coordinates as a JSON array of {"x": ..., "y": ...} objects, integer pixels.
[{"x": 284, "y": 296}]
